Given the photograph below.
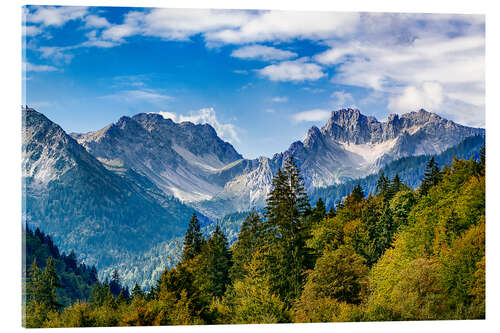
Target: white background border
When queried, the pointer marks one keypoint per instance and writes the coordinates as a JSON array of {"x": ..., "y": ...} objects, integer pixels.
[{"x": 10, "y": 152}]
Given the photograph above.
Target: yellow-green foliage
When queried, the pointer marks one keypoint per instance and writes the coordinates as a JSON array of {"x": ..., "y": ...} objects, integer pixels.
[{"x": 397, "y": 255}]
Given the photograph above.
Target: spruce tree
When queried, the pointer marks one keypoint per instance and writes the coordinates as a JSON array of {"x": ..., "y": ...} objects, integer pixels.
[
  {"x": 216, "y": 262},
  {"x": 357, "y": 193},
  {"x": 193, "y": 241},
  {"x": 137, "y": 291},
  {"x": 432, "y": 176},
  {"x": 115, "y": 284},
  {"x": 249, "y": 240},
  {"x": 48, "y": 283},
  {"x": 319, "y": 211},
  {"x": 288, "y": 257},
  {"x": 382, "y": 184}
]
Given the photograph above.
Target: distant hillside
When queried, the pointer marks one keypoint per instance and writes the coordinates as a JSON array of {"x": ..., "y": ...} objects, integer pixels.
[
  {"x": 77, "y": 279},
  {"x": 410, "y": 170}
]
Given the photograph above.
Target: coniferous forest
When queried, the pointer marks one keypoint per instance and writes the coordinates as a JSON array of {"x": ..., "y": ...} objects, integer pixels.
[{"x": 398, "y": 254}]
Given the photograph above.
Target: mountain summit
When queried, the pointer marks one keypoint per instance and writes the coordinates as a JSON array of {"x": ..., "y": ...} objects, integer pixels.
[{"x": 178, "y": 158}]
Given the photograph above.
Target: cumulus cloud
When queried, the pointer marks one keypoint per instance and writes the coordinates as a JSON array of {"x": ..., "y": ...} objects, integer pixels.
[
  {"x": 428, "y": 96},
  {"x": 56, "y": 16},
  {"x": 287, "y": 25},
  {"x": 95, "y": 21},
  {"x": 293, "y": 70},
  {"x": 226, "y": 131},
  {"x": 311, "y": 115},
  {"x": 426, "y": 70},
  {"x": 262, "y": 52}
]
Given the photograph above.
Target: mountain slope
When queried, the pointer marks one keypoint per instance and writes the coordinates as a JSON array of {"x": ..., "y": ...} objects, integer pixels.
[
  {"x": 349, "y": 146},
  {"x": 181, "y": 159},
  {"x": 77, "y": 280},
  {"x": 105, "y": 217}
]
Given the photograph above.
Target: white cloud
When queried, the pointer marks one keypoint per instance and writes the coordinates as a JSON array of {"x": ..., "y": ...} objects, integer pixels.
[
  {"x": 31, "y": 30},
  {"x": 262, "y": 52},
  {"x": 288, "y": 25},
  {"x": 226, "y": 131},
  {"x": 56, "y": 16},
  {"x": 411, "y": 72},
  {"x": 296, "y": 70},
  {"x": 311, "y": 115},
  {"x": 95, "y": 21},
  {"x": 29, "y": 67},
  {"x": 428, "y": 96},
  {"x": 139, "y": 97},
  {"x": 342, "y": 99},
  {"x": 280, "y": 99}
]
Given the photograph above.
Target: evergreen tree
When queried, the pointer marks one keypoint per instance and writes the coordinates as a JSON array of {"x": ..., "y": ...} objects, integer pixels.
[
  {"x": 48, "y": 283},
  {"x": 249, "y": 240},
  {"x": 382, "y": 184},
  {"x": 357, "y": 193},
  {"x": 331, "y": 212},
  {"x": 33, "y": 283},
  {"x": 394, "y": 187},
  {"x": 137, "y": 292},
  {"x": 432, "y": 176},
  {"x": 288, "y": 257},
  {"x": 193, "y": 241},
  {"x": 115, "y": 284},
  {"x": 216, "y": 262},
  {"x": 319, "y": 211}
]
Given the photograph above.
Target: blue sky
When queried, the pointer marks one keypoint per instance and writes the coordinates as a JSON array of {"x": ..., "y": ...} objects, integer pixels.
[{"x": 261, "y": 78}]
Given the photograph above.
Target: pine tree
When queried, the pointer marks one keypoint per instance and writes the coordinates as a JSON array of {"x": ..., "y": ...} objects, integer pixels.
[
  {"x": 331, "y": 212},
  {"x": 432, "y": 176},
  {"x": 319, "y": 211},
  {"x": 357, "y": 193},
  {"x": 382, "y": 184},
  {"x": 115, "y": 284},
  {"x": 48, "y": 283},
  {"x": 33, "y": 283},
  {"x": 193, "y": 241},
  {"x": 216, "y": 262},
  {"x": 137, "y": 292},
  {"x": 249, "y": 240},
  {"x": 394, "y": 187},
  {"x": 288, "y": 257}
]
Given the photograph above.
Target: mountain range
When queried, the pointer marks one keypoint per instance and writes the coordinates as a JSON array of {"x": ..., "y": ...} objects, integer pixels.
[{"x": 128, "y": 189}]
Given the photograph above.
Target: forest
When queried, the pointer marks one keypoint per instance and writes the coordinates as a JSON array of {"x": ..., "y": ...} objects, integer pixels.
[{"x": 397, "y": 254}]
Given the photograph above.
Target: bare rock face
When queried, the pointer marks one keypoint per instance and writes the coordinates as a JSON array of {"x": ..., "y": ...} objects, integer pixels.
[
  {"x": 181, "y": 159},
  {"x": 193, "y": 164}
]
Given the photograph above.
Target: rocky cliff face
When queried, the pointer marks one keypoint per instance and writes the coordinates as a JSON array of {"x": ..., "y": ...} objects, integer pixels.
[
  {"x": 193, "y": 164},
  {"x": 181, "y": 159},
  {"x": 351, "y": 145}
]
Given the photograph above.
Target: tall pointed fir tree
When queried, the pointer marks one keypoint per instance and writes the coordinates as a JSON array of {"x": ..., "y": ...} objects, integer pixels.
[
  {"x": 288, "y": 255},
  {"x": 47, "y": 288},
  {"x": 432, "y": 176},
  {"x": 215, "y": 265},
  {"x": 194, "y": 240},
  {"x": 382, "y": 184},
  {"x": 249, "y": 240}
]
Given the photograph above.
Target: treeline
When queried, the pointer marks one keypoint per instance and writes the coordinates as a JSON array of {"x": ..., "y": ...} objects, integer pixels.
[
  {"x": 410, "y": 170},
  {"x": 398, "y": 254},
  {"x": 76, "y": 279}
]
